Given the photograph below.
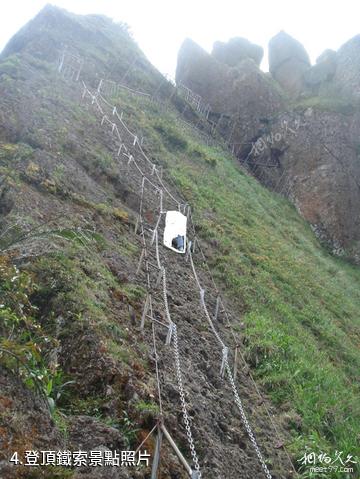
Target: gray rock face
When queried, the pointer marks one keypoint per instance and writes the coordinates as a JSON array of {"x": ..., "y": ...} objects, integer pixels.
[
  {"x": 347, "y": 76},
  {"x": 243, "y": 93},
  {"x": 288, "y": 60},
  {"x": 236, "y": 50},
  {"x": 223, "y": 87},
  {"x": 195, "y": 67},
  {"x": 319, "y": 171},
  {"x": 326, "y": 56},
  {"x": 323, "y": 71},
  {"x": 315, "y": 166}
]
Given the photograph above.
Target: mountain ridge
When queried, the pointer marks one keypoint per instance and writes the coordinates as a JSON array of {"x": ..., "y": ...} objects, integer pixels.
[{"x": 259, "y": 115}]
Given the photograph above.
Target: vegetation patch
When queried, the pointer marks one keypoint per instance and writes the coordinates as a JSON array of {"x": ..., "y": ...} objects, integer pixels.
[
  {"x": 334, "y": 103},
  {"x": 300, "y": 303},
  {"x": 172, "y": 138}
]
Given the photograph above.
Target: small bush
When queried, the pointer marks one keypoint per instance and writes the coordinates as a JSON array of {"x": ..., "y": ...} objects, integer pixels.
[{"x": 120, "y": 215}]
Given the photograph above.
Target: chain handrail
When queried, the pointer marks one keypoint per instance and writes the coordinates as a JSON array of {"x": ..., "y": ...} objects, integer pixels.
[
  {"x": 245, "y": 420},
  {"x": 183, "y": 402},
  {"x": 172, "y": 326}
]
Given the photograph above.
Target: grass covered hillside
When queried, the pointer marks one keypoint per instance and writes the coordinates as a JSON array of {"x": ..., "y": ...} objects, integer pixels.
[{"x": 300, "y": 305}]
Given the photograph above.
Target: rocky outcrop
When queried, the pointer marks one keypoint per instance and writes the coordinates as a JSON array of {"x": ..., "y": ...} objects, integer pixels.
[
  {"x": 43, "y": 38},
  {"x": 327, "y": 56},
  {"x": 288, "y": 61},
  {"x": 315, "y": 166},
  {"x": 347, "y": 76},
  {"x": 236, "y": 50},
  {"x": 199, "y": 71},
  {"x": 243, "y": 94},
  {"x": 322, "y": 72},
  {"x": 318, "y": 169}
]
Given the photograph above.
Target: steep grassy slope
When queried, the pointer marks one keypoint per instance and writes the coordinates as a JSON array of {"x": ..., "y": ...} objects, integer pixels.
[
  {"x": 294, "y": 307},
  {"x": 300, "y": 305}
]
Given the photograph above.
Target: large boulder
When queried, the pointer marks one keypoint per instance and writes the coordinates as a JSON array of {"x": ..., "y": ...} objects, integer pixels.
[
  {"x": 197, "y": 69},
  {"x": 312, "y": 158},
  {"x": 240, "y": 97},
  {"x": 288, "y": 61},
  {"x": 236, "y": 50},
  {"x": 323, "y": 71},
  {"x": 347, "y": 76}
]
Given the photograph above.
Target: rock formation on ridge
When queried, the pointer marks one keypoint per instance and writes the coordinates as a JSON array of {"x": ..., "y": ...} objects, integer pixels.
[
  {"x": 256, "y": 113},
  {"x": 236, "y": 50},
  {"x": 288, "y": 60}
]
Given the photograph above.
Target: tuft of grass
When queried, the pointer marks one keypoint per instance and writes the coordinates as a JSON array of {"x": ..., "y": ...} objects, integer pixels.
[
  {"x": 134, "y": 292},
  {"x": 91, "y": 406},
  {"x": 120, "y": 214},
  {"x": 335, "y": 104},
  {"x": 147, "y": 407}
]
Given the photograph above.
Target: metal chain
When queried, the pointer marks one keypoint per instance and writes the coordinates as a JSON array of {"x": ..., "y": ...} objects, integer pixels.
[
  {"x": 245, "y": 421},
  {"x": 172, "y": 325},
  {"x": 183, "y": 401},
  {"x": 227, "y": 367},
  {"x": 165, "y": 297},
  {"x": 172, "y": 329},
  {"x": 202, "y": 300},
  {"x": 157, "y": 368},
  {"x": 157, "y": 250},
  {"x": 234, "y": 338}
]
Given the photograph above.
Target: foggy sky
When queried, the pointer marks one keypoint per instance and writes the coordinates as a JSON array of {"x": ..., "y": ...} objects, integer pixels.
[{"x": 160, "y": 26}]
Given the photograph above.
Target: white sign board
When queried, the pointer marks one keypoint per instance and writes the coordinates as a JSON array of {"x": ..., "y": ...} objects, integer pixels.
[{"x": 175, "y": 231}]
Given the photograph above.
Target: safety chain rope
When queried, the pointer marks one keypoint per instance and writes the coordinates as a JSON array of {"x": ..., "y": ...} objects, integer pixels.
[
  {"x": 131, "y": 160},
  {"x": 202, "y": 300},
  {"x": 149, "y": 299},
  {"x": 190, "y": 217},
  {"x": 157, "y": 250},
  {"x": 183, "y": 402},
  {"x": 157, "y": 368},
  {"x": 136, "y": 143},
  {"x": 225, "y": 366},
  {"x": 245, "y": 421},
  {"x": 168, "y": 317},
  {"x": 172, "y": 326},
  {"x": 233, "y": 334},
  {"x": 173, "y": 332}
]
